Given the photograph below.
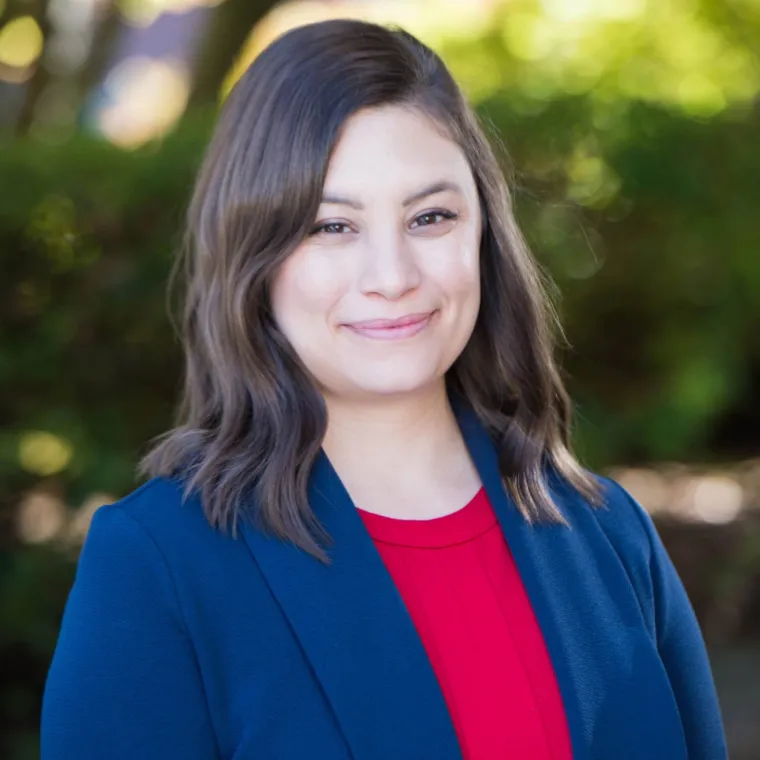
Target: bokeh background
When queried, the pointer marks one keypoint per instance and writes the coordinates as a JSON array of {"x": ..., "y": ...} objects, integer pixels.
[{"x": 631, "y": 133}]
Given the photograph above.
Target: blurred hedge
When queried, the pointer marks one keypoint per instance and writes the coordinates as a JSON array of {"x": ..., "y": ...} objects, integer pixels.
[
  {"x": 647, "y": 221},
  {"x": 86, "y": 353}
]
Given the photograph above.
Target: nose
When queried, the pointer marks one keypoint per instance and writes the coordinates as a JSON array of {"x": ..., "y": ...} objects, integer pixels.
[{"x": 390, "y": 268}]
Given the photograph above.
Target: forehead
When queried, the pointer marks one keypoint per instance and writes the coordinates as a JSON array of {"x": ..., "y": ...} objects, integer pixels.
[{"x": 394, "y": 147}]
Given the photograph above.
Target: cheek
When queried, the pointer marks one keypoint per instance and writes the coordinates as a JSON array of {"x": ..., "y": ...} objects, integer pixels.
[
  {"x": 307, "y": 286},
  {"x": 457, "y": 273}
]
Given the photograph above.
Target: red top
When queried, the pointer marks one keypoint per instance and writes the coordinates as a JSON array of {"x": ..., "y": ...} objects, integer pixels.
[{"x": 464, "y": 594}]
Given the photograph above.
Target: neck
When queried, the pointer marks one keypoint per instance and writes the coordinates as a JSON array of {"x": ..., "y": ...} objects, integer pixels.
[{"x": 396, "y": 440}]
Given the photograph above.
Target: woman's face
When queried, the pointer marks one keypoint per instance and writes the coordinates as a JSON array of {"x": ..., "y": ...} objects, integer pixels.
[{"x": 382, "y": 297}]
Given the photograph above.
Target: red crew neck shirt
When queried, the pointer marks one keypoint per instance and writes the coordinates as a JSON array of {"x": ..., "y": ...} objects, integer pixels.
[{"x": 460, "y": 584}]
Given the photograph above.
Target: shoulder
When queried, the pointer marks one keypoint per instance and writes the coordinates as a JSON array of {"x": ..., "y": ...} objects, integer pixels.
[
  {"x": 122, "y": 569},
  {"x": 623, "y": 519},
  {"x": 156, "y": 550},
  {"x": 157, "y": 500},
  {"x": 160, "y": 508},
  {"x": 620, "y": 523},
  {"x": 148, "y": 515},
  {"x": 619, "y": 516},
  {"x": 163, "y": 524}
]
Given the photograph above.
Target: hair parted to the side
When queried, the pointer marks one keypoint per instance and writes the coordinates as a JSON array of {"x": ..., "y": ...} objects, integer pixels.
[{"x": 251, "y": 422}]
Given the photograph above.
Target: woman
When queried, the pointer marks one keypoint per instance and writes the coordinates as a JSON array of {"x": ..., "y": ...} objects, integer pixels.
[{"x": 367, "y": 536}]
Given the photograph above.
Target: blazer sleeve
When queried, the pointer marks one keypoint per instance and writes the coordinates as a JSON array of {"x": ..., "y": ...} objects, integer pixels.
[
  {"x": 682, "y": 650},
  {"x": 124, "y": 682}
]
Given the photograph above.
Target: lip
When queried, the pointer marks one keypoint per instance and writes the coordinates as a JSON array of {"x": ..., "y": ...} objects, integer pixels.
[{"x": 392, "y": 329}]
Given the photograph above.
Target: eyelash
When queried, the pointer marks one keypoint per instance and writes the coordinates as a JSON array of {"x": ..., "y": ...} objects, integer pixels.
[{"x": 447, "y": 216}]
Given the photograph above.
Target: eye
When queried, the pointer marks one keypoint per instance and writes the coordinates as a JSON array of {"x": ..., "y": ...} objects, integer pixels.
[
  {"x": 330, "y": 228},
  {"x": 432, "y": 218}
]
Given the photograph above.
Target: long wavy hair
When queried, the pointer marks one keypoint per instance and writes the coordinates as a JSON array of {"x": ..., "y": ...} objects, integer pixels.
[{"x": 251, "y": 421}]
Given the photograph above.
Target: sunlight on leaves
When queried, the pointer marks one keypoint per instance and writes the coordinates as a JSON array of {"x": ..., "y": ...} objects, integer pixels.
[
  {"x": 433, "y": 21},
  {"x": 44, "y": 453},
  {"x": 663, "y": 53},
  {"x": 529, "y": 36},
  {"x": 580, "y": 10},
  {"x": 593, "y": 183},
  {"x": 143, "y": 13}
]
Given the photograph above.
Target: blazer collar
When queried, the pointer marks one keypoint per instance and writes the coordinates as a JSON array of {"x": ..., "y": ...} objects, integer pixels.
[{"x": 357, "y": 634}]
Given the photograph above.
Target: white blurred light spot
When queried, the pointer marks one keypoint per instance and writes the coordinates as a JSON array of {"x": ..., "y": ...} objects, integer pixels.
[
  {"x": 40, "y": 516},
  {"x": 648, "y": 487},
  {"x": 74, "y": 23},
  {"x": 717, "y": 499},
  {"x": 147, "y": 96}
]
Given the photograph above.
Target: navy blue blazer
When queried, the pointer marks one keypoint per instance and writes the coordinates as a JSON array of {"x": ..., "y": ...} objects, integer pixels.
[{"x": 179, "y": 641}]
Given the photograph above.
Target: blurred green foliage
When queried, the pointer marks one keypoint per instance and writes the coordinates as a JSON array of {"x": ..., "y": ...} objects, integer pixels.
[
  {"x": 641, "y": 204},
  {"x": 87, "y": 362},
  {"x": 88, "y": 232},
  {"x": 660, "y": 277}
]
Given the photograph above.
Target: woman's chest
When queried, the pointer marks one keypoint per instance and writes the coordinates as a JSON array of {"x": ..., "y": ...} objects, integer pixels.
[{"x": 329, "y": 662}]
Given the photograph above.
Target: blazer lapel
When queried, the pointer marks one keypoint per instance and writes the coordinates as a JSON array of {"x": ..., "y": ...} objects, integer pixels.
[
  {"x": 357, "y": 634},
  {"x": 532, "y": 547}
]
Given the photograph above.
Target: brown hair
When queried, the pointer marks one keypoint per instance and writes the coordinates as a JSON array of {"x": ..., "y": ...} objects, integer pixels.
[{"x": 252, "y": 421}]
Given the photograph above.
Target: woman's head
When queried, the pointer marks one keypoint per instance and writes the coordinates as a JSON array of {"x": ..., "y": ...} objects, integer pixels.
[
  {"x": 349, "y": 111},
  {"x": 348, "y": 183},
  {"x": 382, "y": 295}
]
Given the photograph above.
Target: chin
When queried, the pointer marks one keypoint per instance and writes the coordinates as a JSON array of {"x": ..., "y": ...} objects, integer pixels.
[{"x": 395, "y": 383}]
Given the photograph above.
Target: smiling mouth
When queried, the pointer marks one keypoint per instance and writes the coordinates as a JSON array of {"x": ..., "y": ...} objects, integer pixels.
[{"x": 392, "y": 329}]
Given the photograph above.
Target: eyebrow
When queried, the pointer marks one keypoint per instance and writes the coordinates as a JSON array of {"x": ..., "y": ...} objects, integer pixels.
[{"x": 439, "y": 186}]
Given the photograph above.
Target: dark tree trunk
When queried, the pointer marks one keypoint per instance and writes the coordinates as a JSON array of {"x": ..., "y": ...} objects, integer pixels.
[
  {"x": 83, "y": 79},
  {"x": 37, "y": 9},
  {"x": 228, "y": 28},
  {"x": 107, "y": 32}
]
